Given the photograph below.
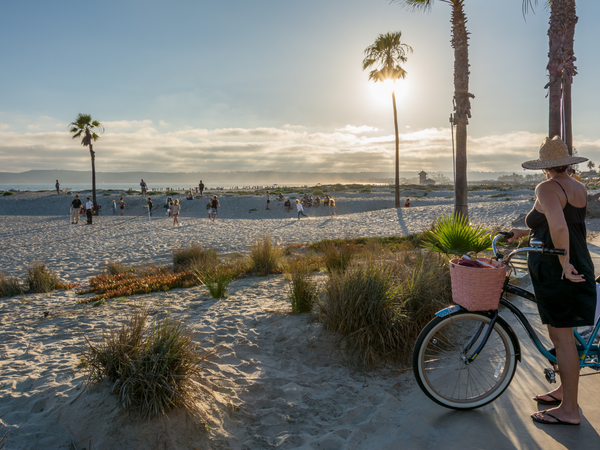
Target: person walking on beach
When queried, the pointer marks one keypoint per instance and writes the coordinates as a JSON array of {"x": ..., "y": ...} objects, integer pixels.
[
  {"x": 144, "y": 187},
  {"x": 201, "y": 187},
  {"x": 175, "y": 209},
  {"x": 149, "y": 205},
  {"x": 114, "y": 208},
  {"x": 268, "y": 199},
  {"x": 89, "y": 208},
  {"x": 300, "y": 209},
  {"x": 75, "y": 207},
  {"x": 214, "y": 206},
  {"x": 332, "y": 208},
  {"x": 57, "y": 186},
  {"x": 122, "y": 205}
]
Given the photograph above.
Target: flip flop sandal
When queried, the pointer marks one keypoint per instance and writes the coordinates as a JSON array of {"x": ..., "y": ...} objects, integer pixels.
[
  {"x": 554, "y": 402},
  {"x": 547, "y": 422}
]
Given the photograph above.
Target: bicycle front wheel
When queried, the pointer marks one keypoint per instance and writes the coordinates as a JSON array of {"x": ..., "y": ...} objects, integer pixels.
[{"x": 441, "y": 360}]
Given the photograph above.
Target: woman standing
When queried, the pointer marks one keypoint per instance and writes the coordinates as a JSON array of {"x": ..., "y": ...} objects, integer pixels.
[
  {"x": 175, "y": 209},
  {"x": 564, "y": 287},
  {"x": 122, "y": 205},
  {"x": 332, "y": 208}
]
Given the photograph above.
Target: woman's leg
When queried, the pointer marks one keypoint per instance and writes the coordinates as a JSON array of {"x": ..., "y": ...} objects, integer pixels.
[{"x": 568, "y": 363}]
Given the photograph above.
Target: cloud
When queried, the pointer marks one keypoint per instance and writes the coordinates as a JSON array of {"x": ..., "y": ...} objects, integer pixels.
[
  {"x": 356, "y": 130},
  {"x": 139, "y": 145}
]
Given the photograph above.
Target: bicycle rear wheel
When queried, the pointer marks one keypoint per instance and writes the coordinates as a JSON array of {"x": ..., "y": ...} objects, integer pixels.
[{"x": 441, "y": 367}]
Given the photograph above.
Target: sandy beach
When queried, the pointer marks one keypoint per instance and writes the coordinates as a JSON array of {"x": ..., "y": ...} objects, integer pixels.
[{"x": 279, "y": 380}]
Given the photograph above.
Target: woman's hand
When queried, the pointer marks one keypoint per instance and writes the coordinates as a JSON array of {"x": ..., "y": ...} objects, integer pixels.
[
  {"x": 518, "y": 233},
  {"x": 572, "y": 275}
]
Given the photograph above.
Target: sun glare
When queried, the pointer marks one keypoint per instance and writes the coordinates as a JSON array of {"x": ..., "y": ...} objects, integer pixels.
[{"x": 382, "y": 92}]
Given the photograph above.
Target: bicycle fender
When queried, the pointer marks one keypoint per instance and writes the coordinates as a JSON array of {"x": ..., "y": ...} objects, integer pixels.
[{"x": 456, "y": 309}]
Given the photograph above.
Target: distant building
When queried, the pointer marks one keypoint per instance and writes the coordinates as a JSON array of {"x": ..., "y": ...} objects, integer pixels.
[{"x": 423, "y": 180}]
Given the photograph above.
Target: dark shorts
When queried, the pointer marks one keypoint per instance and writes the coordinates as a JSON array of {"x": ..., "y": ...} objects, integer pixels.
[{"x": 268, "y": 201}]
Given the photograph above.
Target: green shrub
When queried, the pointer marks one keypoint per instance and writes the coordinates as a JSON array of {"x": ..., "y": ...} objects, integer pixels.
[
  {"x": 196, "y": 257},
  {"x": 216, "y": 282},
  {"x": 106, "y": 194},
  {"x": 8, "y": 193},
  {"x": 359, "y": 305},
  {"x": 9, "y": 286},
  {"x": 171, "y": 193},
  {"x": 265, "y": 256},
  {"x": 318, "y": 192},
  {"x": 40, "y": 279},
  {"x": 114, "y": 267},
  {"x": 337, "y": 257},
  {"x": 151, "y": 367},
  {"x": 302, "y": 290},
  {"x": 453, "y": 235}
]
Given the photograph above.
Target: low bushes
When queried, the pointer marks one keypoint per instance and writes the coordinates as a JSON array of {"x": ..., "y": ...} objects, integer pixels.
[
  {"x": 265, "y": 256},
  {"x": 41, "y": 279},
  {"x": 7, "y": 193},
  {"x": 337, "y": 257},
  {"x": 9, "y": 286},
  {"x": 196, "y": 257},
  {"x": 302, "y": 290},
  {"x": 379, "y": 309},
  {"x": 152, "y": 366}
]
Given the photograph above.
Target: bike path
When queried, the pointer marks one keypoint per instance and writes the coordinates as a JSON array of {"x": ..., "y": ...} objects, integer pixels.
[{"x": 505, "y": 423}]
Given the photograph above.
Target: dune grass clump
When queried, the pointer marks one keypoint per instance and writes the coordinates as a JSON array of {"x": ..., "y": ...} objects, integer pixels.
[
  {"x": 303, "y": 291},
  {"x": 9, "y": 286},
  {"x": 265, "y": 256},
  {"x": 8, "y": 193},
  {"x": 115, "y": 267},
  {"x": 217, "y": 283},
  {"x": 360, "y": 305},
  {"x": 195, "y": 257},
  {"x": 318, "y": 192},
  {"x": 378, "y": 309},
  {"x": 40, "y": 279},
  {"x": 337, "y": 257},
  {"x": 153, "y": 366}
]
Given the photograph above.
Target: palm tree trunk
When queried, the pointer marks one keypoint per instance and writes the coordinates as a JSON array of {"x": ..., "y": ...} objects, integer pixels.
[
  {"x": 93, "y": 156},
  {"x": 570, "y": 70},
  {"x": 556, "y": 39},
  {"x": 462, "y": 103},
  {"x": 397, "y": 151}
]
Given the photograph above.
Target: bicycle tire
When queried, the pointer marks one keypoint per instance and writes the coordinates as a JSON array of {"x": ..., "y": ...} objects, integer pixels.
[{"x": 482, "y": 380}]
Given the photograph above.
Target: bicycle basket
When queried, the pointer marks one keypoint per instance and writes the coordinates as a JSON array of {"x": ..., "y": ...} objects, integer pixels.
[{"x": 477, "y": 289}]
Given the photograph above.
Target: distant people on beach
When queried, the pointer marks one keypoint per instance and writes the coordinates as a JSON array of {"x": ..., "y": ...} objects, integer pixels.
[
  {"x": 149, "y": 205},
  {"x": 288, "y": 205},
  {"x": 89, "y": 208},
  {"x": 144, "y": 187},
  {"x": 57, "y": 186},
  {"x": 75, "y": 207},
  {"x": 201, "y": 187},
  {"x": 114, "y": 208},
  {"x": 168, "y": 204},
  {"x": 175, "y": 210},
  {"x": 300, "y": 209},
  {"x": 407, "y": 203},
  {"x": 190, "y": 196},
  {"x": 280, "y": 197},
  {"x": 122, "y": 205},
  {"x": 326, "y": 200},
  {"x": 268, "y": 199},
  {"x": 332, "y": 208},
  {"x": 214, "y": 206}
]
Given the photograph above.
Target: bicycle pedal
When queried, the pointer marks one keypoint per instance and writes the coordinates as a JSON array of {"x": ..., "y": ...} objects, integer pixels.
[{"x": 550, "y": 375}]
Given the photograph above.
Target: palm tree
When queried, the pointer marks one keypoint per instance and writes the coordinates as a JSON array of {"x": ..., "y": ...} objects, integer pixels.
[
  {"x": 561, "y": 66},
  {"x": 84, "y": 125},
  {"x": 462, "y": 97},
  {"x": 385, "y": 55}
]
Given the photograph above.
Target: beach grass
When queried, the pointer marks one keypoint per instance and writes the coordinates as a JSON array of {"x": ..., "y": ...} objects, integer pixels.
[
  {"x": 196, "y": 257},
  {"x": 303, "y": 291},
  {"x": 265, "y": 256},
  {"x": 153, "y": 366},
  {"x": 9, "y": 286},
  {"x": 8, "y": 193},
  {"x": 40, "y": 279},
  {"x": 337, "y": 257}
]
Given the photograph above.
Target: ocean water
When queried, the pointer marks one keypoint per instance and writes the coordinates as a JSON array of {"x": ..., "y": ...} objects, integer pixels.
[{"x": 119, "y": 187}]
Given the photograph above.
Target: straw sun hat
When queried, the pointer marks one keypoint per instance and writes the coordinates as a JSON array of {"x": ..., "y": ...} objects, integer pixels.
[{"x": 553, "y": 153}]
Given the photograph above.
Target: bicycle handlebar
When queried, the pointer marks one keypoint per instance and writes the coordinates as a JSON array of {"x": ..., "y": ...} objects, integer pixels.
[{"x": 508, "y": 235}]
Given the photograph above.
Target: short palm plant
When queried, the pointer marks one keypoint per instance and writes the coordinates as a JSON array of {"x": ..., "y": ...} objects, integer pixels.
[{"x": 453, "y": 235}]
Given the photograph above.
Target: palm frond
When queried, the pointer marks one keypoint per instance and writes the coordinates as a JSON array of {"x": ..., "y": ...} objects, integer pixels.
[{"x": 453, "y": 235}]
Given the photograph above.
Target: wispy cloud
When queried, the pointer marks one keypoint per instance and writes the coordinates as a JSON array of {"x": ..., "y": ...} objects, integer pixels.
[{"x": 140, "y": 145}]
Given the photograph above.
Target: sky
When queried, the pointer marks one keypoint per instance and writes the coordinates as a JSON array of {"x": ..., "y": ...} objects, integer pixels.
[{"x": 219, "y": 85}]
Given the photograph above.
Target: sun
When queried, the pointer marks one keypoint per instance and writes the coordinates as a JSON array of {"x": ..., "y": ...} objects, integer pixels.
[{"x": 382, "y": 92}]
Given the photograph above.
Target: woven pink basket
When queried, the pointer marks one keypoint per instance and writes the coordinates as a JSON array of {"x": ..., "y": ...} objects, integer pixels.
[{"x": 477, "y": 289}]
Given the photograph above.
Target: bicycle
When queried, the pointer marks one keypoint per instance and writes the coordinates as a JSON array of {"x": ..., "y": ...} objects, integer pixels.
[{"x": 466, "y": 359}]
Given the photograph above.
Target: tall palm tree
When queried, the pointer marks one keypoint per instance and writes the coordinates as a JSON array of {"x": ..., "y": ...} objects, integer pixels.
[
  {"x": 561, "y": 66},
  {"x": 462, "y": 97},
  {"x": 86, "y": 127},
  {"x": 386, "y": 54}
]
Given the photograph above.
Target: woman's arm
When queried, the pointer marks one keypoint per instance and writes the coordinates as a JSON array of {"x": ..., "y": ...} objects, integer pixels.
[{"x": 550, "y": 202}]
